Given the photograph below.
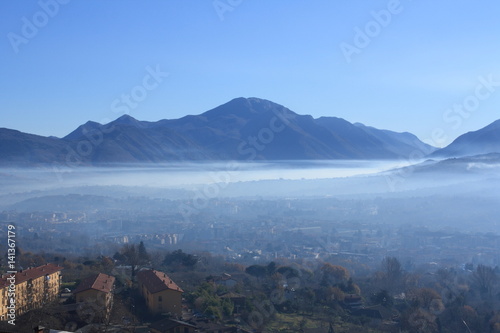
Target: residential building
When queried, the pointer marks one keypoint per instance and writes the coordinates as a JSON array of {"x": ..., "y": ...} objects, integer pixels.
[
  {"x": 225, "y": 280},
  {"x": 353, "y": 301},
  {"x": 162, "y": 295},
  {"x": 237, "y": 299},
  {"x": 34, "y": 288},
  {"x": 97, "y": 288}
]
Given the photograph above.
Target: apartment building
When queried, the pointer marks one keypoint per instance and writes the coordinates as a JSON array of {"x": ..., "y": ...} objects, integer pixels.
[{"x": 34, "y": 288}]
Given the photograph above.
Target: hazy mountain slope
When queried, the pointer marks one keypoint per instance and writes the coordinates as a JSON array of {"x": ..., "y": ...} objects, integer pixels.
[
  {"x": 130, "y": 143},
  {"x": 399, "y": 143},
  {"x": 483, "y": 141},
  {"x": 23, "y": 148}
]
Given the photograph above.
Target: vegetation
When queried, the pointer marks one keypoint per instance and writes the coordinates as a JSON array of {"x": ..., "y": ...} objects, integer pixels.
[{"x": 294, "y": 295}]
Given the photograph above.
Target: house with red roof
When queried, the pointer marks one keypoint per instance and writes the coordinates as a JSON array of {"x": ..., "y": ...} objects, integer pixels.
[
  {"x": 162, "y": 295},
  {"x": 97, "y": 289}
]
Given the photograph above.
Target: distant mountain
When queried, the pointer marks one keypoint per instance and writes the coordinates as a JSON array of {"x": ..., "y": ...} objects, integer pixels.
[
  {"x": 483, "y": 141},
  {"x": 71, "y": 202},
  {"x": 242, "y": 129},
  {"x": 22, "y": 148},
  {"x": 478, "y": 164}
]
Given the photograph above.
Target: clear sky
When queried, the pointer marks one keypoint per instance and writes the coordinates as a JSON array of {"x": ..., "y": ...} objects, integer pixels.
[{"x": 398, "y": 65}]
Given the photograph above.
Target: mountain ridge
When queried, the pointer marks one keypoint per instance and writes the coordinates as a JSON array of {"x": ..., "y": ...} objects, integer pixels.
[
  {"x": 241, "y": 129},
  {"x": 482, "y": 141}
]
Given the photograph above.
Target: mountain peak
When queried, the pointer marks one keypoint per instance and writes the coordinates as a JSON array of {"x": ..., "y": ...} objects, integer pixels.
[
  {"x": 128, "y": 120},
  {"x": 82, "y": 129},
  {"x": 245, "y": 108},
  {"x": 125, "y": 119}
]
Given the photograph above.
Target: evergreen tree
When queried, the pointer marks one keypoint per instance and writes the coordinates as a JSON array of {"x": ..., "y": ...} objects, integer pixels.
[{"x": 144, "y": 256}]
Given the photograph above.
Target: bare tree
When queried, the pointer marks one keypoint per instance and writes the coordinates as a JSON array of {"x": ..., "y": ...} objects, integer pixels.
[
  {"x": 485, "y": 279},
  {"x": 132, "y": 258},
  {"x": 393, "y": 273}
]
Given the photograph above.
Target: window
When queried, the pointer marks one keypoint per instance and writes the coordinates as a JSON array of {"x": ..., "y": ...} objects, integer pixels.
[{"x": 160, "y": 299}]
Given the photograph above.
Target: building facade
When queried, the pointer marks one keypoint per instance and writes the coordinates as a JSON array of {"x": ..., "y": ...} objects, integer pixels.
[
  {"x": 34, "y": 288},
  {"x": 162, "y": 295},
  {"x": 97, "y": 289}
]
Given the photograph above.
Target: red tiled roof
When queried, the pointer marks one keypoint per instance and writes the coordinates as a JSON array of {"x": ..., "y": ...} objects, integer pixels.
[
  {"x": 31, "y": 273},
  {"x": 156, "y": 281},
  {"x": 101, "y": 282}
]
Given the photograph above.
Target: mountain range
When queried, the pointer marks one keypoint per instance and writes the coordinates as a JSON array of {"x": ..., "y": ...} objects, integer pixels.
[{"x": 241, "y": 129}]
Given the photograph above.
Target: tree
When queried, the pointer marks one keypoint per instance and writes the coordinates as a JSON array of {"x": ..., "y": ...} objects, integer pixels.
[
  {"x": 352, "y": 287},
  {"x": 271, "y": 268},
  {"x": 335, "y": 294},
  {"x": 258, "y": 271},
  {"x": 288, "y": 272},
  {"x": 484, "y": 278},
  {"x": 425, "y": 297},
  {"x": 213, "y": 312},
  {"x": 119, "y": 257},
  {"x": 307, "y": 299},
  {"x": 393, "y": 273},
  {"x": 334, "y": 274},
  {"x": 180, "y": 258},
  {"x": 419, "y": 320},
  {"x": 461, "y": 319},
  {"x": 143, "y": 254},
  {"x": 132, "y": 258},
  {"x": 227, "y": 307},
  {"x": 382, "y": 297},
  {"x": 107, "y": 264}
]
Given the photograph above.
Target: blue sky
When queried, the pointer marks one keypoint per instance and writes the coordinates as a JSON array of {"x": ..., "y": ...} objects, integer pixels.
[{"x": 406, "y": 74}]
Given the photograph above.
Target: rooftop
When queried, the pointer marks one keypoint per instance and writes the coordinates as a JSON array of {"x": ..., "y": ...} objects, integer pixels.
[
  {"x": 101, "y": 282},
  {"x": 30, "y": 273},
  {"x": 156, "y": 281}
]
